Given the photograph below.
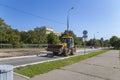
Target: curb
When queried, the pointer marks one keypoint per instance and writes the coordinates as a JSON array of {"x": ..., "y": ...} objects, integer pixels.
[
  {"x": 20, "y": 57},
  {"x": 38, "y": 55},
  {"x": 44, "y": 61},
  {"x": 27, "y": 78}
]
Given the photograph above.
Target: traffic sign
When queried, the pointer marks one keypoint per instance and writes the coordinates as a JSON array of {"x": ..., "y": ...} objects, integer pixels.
[{"x": 85, "y": 32}]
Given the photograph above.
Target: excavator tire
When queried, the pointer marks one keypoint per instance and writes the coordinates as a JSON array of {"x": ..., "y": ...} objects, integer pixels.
[
  {"x": 72, "y": 51},
  {"x": 65, "y": 52}
]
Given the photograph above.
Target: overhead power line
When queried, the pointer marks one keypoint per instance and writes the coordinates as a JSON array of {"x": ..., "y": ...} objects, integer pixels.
[{"x": 28, "y": 13}]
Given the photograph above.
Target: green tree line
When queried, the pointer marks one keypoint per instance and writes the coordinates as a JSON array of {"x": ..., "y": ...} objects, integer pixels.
[
  {"x": 38, "y": 36},
  {"x": 98, "y": 43}
]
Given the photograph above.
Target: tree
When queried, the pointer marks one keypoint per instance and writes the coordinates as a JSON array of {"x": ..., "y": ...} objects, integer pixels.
[
  {"x": 52, "y": 39},
  {"x": 90, "y": 42},
  {"x": 2, "y": 22},
  {"x": 40, "y": 35},
  {"x": 36, "y": 36},
  {"x": 31, "y": 39},
  {"x": 3, "y": 27},
  {"x": 23, "y": 37},
  {"x": 97, "y": 43},
  {"x": 8, "y": 35},
  {"x": 114, "y": 41},
  {"x": 94, "y": 43},
  {"x": 13, "y": 36},
  {"x": 106, "y": 43},
  {"x": 78, "y": 41}
]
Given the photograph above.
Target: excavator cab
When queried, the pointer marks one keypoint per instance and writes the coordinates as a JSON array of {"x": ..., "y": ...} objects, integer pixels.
[
  {"x": 69, "y": 41},
  {"x": 70, "y": 47}
]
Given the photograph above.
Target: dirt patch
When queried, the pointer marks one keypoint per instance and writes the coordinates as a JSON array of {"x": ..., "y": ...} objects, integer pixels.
[{"x": 20, "y": 52}]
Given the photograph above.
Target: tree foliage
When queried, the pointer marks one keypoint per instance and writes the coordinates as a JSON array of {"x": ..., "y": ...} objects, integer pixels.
[
  {"x": 52, "y": 39},
  {"x": 38, "y": 36},
  {"x": 94, "y": 43},
  {"x": 8, "y": 35},
  {"x": 115, "y": 42},
  {"x": 15, "y": 37},
  {"x": 106, "y": 43},
  {"x": 90, "y": 42},
  {"x": 98, "y": 43}
]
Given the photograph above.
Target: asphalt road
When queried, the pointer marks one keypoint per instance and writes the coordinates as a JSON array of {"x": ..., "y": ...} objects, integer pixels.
[{"x": 36, "y": 59}]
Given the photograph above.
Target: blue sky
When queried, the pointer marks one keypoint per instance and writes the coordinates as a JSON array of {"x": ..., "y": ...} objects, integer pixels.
[{"x": 99, "y": 17}]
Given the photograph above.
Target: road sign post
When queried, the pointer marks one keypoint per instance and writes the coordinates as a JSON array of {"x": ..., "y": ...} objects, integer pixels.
[{"x": 84, "y": 39}]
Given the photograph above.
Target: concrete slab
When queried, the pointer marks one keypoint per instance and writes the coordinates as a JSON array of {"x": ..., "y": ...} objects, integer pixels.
[
  {"x": 106, "y": 66},
  {"x": 109, "y": 59},
  {"x": 18, "y": 77},
  {"x": 95, "y": 71},
  {"x": 64, "y": 75}
]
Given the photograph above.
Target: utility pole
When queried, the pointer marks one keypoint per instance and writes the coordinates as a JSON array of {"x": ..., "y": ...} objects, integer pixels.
[{"x": 68, "y": 13}]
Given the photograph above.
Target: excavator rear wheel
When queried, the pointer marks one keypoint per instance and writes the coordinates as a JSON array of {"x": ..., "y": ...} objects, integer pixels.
[
  {"x": 65, "y": 52},
  {"x": 72, "y": 51}
]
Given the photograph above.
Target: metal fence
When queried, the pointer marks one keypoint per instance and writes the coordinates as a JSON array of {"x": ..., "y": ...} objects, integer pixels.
[
  {"x": 23, "y": 46},
  {"x": 29, "y": 46}
]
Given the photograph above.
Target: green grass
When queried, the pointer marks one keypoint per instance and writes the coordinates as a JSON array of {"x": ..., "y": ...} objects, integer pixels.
[{"x": 32, "y": 70}]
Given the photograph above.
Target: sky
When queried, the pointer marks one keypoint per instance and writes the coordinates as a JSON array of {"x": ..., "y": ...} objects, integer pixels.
[{"x": 101, "y": 18}]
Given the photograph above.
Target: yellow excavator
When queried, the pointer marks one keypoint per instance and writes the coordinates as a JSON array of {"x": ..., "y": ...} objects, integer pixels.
[{"x": 67, "y": 47}]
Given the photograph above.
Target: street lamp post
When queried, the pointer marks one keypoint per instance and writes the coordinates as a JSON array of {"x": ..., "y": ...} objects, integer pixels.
[
  {"x": 101, "y": 42},
  {"x": 1, "y": 37},
  {"x": 68, "y": 18},
  {"x": 94, "y": 40}
]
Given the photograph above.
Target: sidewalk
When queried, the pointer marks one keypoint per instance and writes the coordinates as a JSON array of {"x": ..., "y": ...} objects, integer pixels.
[{"x": 102, "y": 67}]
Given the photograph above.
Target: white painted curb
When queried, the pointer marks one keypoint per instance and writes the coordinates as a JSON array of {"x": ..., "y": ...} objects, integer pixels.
[
  {"x": 44, "y": 61},
  {"x": 27, "y": 78},
  {"x": 20, "y": 57}
]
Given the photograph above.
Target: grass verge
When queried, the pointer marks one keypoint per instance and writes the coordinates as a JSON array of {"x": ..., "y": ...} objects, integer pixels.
[{"x": 32, "y": 70}]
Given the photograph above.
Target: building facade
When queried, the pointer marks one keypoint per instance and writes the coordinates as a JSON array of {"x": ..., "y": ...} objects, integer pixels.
[{"x": 49, "y": 30}]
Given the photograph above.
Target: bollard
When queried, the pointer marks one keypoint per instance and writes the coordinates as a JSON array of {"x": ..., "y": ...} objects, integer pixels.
[{"x": 6, "y": 72}]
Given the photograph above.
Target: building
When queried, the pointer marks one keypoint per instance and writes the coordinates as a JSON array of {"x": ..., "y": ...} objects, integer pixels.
[
  {"x": 57, "y": 33},
  {"x": 49, "y": 30}
]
